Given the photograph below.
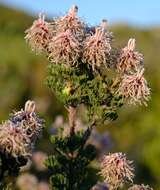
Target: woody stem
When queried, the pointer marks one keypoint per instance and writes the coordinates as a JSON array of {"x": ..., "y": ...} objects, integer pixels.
[{"x": 72, "y": 118}]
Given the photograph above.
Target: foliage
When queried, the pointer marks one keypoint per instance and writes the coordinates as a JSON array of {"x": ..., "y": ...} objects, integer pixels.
[
  {"x": 75, "y": 86},
  {"x": 69, "y": 164}
]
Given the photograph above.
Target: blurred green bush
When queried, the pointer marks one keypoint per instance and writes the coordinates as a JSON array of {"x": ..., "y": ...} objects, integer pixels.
[{"x": 22, "y": 74}]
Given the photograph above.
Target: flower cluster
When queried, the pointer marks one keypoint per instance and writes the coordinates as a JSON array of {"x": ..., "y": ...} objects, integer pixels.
[
  {"x": 67, "y": 39},
  {"x": 19, "y": 133},
  {"x": 70, "y": 42},
  {"x": 133, "y": 85},
  {"x": 140, "y": 187},
  {"x": 71, "y": 22},
  {"x": 64, "y": 48},
  {"x": 39, "y": 35},
  {"x": 116, "y": 170},
  {"x": 134, "y": 88},
  {"x": 96, "y": 49},
  {"x": 129, "y": 59},
  {"x": 12, "y": 140}
]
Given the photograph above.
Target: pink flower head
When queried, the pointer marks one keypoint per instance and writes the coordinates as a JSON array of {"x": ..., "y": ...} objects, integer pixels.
[
  {"x": 71, "y": 22},
  {"x": 13, "y": 141},
  {"x": 129, "y": 59},
  {"x": 39, "y": 34},
  {"x": 134, "y": 88},
  {"x": 116, "y": 169},
  {"x": 96, "y": 49},
  {"x": 64, "y": 48}
]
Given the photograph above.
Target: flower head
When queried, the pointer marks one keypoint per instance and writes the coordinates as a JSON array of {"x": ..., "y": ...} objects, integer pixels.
[
  {"x": 116, "y": 169},
  {"x": 71, "y": 22},
  {"x": 39, "y": 34},
  {"x": 140, "y": 187},
  {"x": 13, "y": 141},
  {"x": 129, "y": 59},
  {"x": 18, "y": 134},
  {"x": 28, "y": 120},
  {"x": 96, "y": 49},
  {"x": 134, "y": 88},
  {"x": 64, "y": 48}
]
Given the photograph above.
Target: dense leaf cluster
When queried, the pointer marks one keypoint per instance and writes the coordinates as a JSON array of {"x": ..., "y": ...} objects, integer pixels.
[
  {"x": 69, "y": 164},
  {"x": 79, "y": 85}
]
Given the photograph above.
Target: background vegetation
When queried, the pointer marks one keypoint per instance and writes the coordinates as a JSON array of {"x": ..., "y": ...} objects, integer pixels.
[{"x": 22, "y": 74}]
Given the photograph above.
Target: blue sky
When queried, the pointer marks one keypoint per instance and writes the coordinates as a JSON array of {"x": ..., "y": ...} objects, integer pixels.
[{"x": 136, "y": 12}]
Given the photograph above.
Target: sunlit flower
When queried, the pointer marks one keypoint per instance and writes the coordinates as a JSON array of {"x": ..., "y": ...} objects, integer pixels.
[
  {"x": 116, "y": 170},
  {"x": 64, "y": 48},
  {"x": 96, "y": 49},
  {"x": 129, "y": 59},
  {"x": 140, "y": 187},
  {"x": 71, "y": 22},
  {"x": 134, "y": 88},
  {"x": 27, "y": 182},
  {"x": 39, "y": 35},
  {"x": 38, "y": 159}
]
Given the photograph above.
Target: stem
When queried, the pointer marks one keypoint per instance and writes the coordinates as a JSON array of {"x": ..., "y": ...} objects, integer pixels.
[
  {"x": 114, "y": 84},
  {"x": 72, "y": 111}
]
